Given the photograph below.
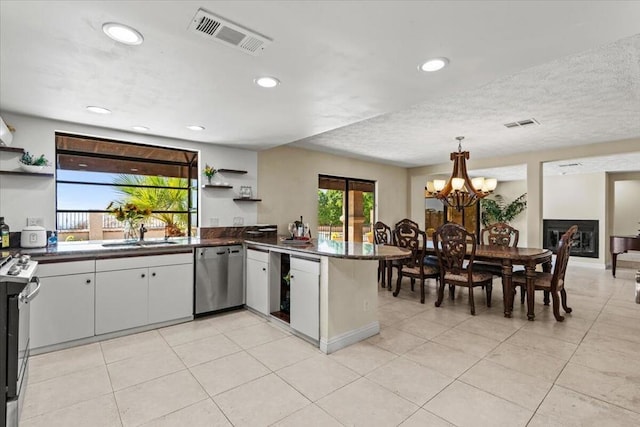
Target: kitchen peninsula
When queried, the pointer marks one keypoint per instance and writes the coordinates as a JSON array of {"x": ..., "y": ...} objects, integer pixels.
[{"x": 333, "y": 287}]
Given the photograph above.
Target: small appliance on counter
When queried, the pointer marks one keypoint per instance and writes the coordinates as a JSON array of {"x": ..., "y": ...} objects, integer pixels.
[{"x": 33, "y": 236}]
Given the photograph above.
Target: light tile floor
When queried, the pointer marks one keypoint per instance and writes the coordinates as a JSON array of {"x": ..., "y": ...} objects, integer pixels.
[{"x": 428, "y": 367}]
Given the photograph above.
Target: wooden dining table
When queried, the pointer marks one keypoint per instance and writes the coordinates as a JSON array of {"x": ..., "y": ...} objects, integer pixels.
[{"x": 508, "y": 257}]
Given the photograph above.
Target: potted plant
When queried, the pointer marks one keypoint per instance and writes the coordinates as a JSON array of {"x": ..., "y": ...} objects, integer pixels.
[
  {"x": 209, "y": 172},
  {"x": 497, "y": 210},
  {"x": 30, "y": 163},
  {"x": 131, "y": 215}
]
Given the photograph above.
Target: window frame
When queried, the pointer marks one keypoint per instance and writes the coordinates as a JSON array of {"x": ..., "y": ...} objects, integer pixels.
[{"x": 191, "y": 164}]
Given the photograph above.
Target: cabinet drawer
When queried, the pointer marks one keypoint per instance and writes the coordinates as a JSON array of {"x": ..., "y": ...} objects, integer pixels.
[
  {"x": 143, "y": 261},
  {"x": 258, "y": 255},
  {"x": 305, "y": 265},
  {"x": 65, "y": 268}
]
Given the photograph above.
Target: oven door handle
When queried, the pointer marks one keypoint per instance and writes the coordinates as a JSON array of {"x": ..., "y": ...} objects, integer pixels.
[{"x": 32, "y": 295}]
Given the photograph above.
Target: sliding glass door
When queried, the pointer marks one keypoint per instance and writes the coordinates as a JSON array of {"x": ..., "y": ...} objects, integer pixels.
[{"x": 345, "y": 208}]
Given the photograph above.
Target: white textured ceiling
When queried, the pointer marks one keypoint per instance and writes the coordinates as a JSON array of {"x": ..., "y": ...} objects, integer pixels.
[
  {"x": 350, "y": 83},
  {"x": 628, "y": 162}
]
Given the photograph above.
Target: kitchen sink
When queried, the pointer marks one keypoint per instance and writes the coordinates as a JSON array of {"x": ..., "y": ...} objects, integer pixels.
[
  {"x": 155, "y": 243},
  {"x": 138, "y": 243}
]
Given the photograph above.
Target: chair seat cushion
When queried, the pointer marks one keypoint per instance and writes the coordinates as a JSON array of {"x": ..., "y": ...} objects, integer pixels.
[
  {"x": 477, "y": 276},
  {"x": 415, "y": 271},
  {"x": 541, "y": 279}
]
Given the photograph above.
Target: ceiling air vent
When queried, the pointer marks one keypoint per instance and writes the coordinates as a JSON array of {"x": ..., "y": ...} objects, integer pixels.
[
  {"x": 224, "y": 31},
  {"x": 569, "y": 165},
  {"x": 521, "y": 123}
]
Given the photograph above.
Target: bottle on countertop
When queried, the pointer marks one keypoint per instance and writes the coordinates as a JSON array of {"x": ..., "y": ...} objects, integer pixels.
[
  {"x": 53, "y": 239},
  {"x": 4, "y": 233},
  {"x": 301, "y": 227}
]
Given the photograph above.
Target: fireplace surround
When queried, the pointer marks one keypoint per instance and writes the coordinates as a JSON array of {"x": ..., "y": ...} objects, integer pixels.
[{"x": 585, "y": 242}]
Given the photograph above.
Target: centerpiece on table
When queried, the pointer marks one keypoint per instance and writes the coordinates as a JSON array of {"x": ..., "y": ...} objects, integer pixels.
[
  {"x": 131, "y": 215},
  {"x": 33, "y": 164},
  {"x": 209, "y": 172}
]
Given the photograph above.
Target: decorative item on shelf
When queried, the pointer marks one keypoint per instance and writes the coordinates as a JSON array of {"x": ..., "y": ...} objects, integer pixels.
[
  {"x": 130, "y": 215},
  {"x": 29, "y": 163},
  {"x": 460, "y": 191},
  {"x": 6, "y": 133},
  {"x": 246, "y": 192},
  {"x": 209, "y": 172}
]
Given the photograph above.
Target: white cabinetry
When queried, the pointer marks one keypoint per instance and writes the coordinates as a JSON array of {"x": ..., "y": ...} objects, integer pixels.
[
  {"x": 170, "y": 292},
  {"x": 121, "y": 299},
  {"x": 63, "y": 310},
  {"x": 138, "y": 291},
  {"x": 305, "y": 297},
  {"x": 257, "y": 291}
]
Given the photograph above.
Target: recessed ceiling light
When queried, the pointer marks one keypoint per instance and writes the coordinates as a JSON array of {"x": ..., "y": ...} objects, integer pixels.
[
  {"x": 140, "y": 128},
  {"x": 134, "y": 169},
  {"x": 82, "y": 165},
  {"x": 195, "y": 127},
  {"x": 122, "y": 33},
  {"x": 98, "y": 110},
  {"x": 267, "y": 82},
  {"x": 434, "y": 64}
]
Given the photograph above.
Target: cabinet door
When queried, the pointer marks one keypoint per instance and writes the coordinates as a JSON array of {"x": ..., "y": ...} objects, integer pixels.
[
  {"x": 258, "y": 285},
  {"x": 63, "y": 310},
  {"x": 305, "y": 297},
  {"x": 121, "y": 299},
  {"x": 170, "y": 292}
]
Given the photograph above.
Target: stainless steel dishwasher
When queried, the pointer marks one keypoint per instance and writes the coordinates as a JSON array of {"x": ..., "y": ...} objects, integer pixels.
[{"x": 219, "y": 283}]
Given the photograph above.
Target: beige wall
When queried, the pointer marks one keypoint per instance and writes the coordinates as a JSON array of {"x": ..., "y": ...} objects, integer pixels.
[
  {"x": 288, "y": 178},
  {"x": 625, "y": 193},
  {"x": 565, "y": 198}
]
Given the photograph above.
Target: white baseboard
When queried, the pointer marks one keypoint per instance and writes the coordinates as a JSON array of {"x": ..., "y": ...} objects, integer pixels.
[{"x": 350, "y": 337}]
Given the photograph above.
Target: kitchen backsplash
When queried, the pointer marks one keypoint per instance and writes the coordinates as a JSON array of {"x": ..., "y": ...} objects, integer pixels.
[{"x": 217, "y": 232}]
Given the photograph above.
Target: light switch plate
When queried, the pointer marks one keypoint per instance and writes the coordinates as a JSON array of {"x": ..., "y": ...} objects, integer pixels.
[{"x": 35, "y": 221}]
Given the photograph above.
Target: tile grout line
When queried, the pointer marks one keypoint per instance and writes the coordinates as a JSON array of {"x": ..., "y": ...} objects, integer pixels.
[{"x": 554, "y": 384}]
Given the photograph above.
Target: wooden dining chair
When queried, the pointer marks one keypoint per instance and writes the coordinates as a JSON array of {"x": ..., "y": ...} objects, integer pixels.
[
  {"x": 553, "y": 282},
  {"x": 382, "y": 235},
  {"x": 499, "y": 234},
  {"x": 454, "y": 245},
  {"x": 398, "y": 228},
  {"x": 411, "y": 237}
]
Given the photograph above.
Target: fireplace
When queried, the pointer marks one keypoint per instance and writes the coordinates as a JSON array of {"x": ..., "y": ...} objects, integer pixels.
[{"x": 585, "y": 243}]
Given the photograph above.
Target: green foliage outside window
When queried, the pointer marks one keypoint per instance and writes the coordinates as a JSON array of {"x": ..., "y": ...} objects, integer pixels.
[
  {"x": 158, "y": 199},
  {"x": 330, "y": 207}
]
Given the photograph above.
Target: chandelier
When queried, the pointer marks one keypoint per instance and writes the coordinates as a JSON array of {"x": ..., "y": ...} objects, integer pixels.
[{"x": 460, "y": 191}]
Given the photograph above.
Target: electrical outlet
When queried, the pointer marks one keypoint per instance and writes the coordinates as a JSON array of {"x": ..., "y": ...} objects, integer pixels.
[{"x": 35, "y": 221}]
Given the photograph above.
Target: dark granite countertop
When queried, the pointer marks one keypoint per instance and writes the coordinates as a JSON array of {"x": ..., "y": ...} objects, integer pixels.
[
  {"x": 88, "y": 250},
  {"x": 332, "y": 248},
  {"x": 94, "y": 249}
]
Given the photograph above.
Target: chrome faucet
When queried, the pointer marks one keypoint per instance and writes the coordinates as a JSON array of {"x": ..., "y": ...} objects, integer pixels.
[{"x": 143, "y": 230}]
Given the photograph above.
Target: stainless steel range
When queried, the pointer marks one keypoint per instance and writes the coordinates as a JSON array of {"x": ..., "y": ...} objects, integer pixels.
[{"x": 18, "y": 286}]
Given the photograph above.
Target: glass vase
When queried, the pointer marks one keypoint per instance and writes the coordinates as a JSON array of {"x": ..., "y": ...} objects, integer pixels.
[{"x": 131, "y": 230}]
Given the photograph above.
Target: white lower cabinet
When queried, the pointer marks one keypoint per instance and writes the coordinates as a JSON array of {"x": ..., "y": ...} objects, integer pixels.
[
  {"x": 257, "y": 291},
  {"x": 138, "y": 291},
  {"x": 121, "y": 299},
  {"x": 170, "y": 292},
  {"x": 63, "y": 309},
  {"x": 305, "y": 297}
]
